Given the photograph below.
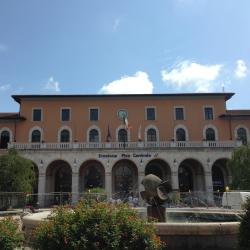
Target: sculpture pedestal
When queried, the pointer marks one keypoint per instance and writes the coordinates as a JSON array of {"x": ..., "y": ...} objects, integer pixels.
[{"x": 157, "y": 213}]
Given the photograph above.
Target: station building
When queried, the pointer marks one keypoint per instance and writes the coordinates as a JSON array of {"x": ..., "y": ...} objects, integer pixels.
[{"x": 78, "y": 142}]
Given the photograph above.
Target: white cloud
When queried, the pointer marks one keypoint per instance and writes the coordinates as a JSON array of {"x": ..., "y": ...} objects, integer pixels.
[
  {"x": 52, "y": 85},
  {"x": 192, "y": 76},
  {"x": 116, "y": 24},
  {"x": 137, "y": 84},
  {"x": 4, "y": 87},
  {"x": 241, "y": 69}
]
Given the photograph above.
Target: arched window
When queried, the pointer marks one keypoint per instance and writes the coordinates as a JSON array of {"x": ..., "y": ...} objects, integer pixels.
[
  {"x": 36, "y": 136},
  {"x": 242, "y": 135},
  {"x": 210, "y": 134},
  {"x": 151, "y": 135},
  {"x": 5, "y": 139},
  {"x": 63, "y": 179},
  {"x": 93, "y": 135},
  {"x": 65, "y": 136},
  {"x": 122, "y": 135},
  {"x": 180, "y": 134}
]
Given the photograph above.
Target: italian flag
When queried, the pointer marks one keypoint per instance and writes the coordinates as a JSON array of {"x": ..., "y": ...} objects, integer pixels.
[{"x": 126, "y": 123}]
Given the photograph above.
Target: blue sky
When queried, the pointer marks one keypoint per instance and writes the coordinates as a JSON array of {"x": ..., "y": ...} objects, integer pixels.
[{"x": 132, "y": 46}]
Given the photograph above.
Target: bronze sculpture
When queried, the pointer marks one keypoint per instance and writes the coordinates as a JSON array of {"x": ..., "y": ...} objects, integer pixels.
[{"x": 155, "y": 194}]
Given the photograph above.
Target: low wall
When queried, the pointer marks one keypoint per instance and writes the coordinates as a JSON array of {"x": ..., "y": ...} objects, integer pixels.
[{"x": 197, "y": 236}]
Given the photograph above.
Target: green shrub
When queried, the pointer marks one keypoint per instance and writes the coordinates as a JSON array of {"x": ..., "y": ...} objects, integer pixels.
[
  {"x": 97, "y": 194},
  {"x": 244, "y": 231},
  {"x": 93, "y": 225},
  {"x": 97, "y": 190},
  {"x": 10, "y": 236}
]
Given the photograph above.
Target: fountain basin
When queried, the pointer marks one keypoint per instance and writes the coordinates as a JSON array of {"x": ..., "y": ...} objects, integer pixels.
[
  {"x": 31, "y": 221},
  {"x": 178, "y": 235},
  {"x": 214, "y": 235}
]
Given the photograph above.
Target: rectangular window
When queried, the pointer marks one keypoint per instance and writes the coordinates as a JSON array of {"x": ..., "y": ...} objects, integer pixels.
[
  {"x": 179, "y": 114},
  {"x": 94, "y": 114},
  {"x": 65, "y": 114},
  {"x": 208, "y": 113},
  {"x": 37, "y": 114},
  {"x": 151, "y": 114}
]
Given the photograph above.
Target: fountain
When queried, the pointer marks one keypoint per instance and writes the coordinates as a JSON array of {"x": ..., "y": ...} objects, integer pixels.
[
  {"x": 182, "y": 228},
  {"x": 189, "y": 228}
]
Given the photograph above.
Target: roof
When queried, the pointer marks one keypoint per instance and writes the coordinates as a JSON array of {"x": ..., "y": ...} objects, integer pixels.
[
  {"x": 237, "y": 114},
  {"x": 238, "y": 111},
  {"x": 226, "y": 96},
  {"x": 11, "y": 116}
]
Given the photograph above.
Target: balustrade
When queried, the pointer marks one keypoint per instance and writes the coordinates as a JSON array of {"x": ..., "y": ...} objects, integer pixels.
[{"x": 123, "y": 145}]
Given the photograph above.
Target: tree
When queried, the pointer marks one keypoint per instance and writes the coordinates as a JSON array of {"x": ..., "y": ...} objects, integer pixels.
[
  {"x": 240, "y": 167},
  {"x": 16, "y": 173}
]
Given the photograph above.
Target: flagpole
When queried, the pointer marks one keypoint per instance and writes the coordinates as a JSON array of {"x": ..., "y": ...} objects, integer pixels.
[
  {"x": 108, "y": 138},
  {"x": 124, "y": 141},
  {"x": 139, "y": 133}
]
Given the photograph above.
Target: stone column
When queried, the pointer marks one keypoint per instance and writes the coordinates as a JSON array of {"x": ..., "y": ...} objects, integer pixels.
[
  {"x": 209, "y": 187},
  {"x": 75, "y": 187},
  {"x": 108, "y": 184},
  {"x": 175, "y": 181},
  {"x": 41, "y": 189},
  {"x": 141, "y": 175},
  {"x": 175, "y": 188}
]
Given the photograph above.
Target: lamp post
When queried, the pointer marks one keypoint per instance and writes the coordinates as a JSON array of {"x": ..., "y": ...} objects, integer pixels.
[
  {"x": 227, "y": 190},
  {"x": 75, "y": 163},
  {"x": 41, "y": 164},
  {"x": 141, "y": 162}
]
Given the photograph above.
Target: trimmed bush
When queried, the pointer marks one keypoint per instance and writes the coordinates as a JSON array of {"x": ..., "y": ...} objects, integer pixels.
[
  {"x": 93, "y": 225},
  {"x": 10, "y": 235},
  {"x": 244, "y": 232}
]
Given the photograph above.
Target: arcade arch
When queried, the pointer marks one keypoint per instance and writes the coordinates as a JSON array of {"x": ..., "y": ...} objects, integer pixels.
[
  {"x": 124, "y": 178},
  {"x": 191, "y": 176},
  {"x": 58, "y": 177},
  {"x": 159, "y": 168},
  {"x": 91, "y": 175},
  {"x": 220, "y": 175}
]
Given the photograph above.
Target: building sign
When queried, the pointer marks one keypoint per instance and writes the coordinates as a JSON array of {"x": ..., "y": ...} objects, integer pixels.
[{"x": 128, "y": 155}]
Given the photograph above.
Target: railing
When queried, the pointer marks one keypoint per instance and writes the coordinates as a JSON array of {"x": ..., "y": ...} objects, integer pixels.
[
  {"x": 124, "y": 145},
  {"x": 175, "y": 199}
]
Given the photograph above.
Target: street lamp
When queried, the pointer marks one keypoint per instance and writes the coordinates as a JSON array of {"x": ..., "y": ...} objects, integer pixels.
[
  {"x": 141, "y": 162},
  {"x": 75, "y": 163},
  {"x": 41, "y": 163}
]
